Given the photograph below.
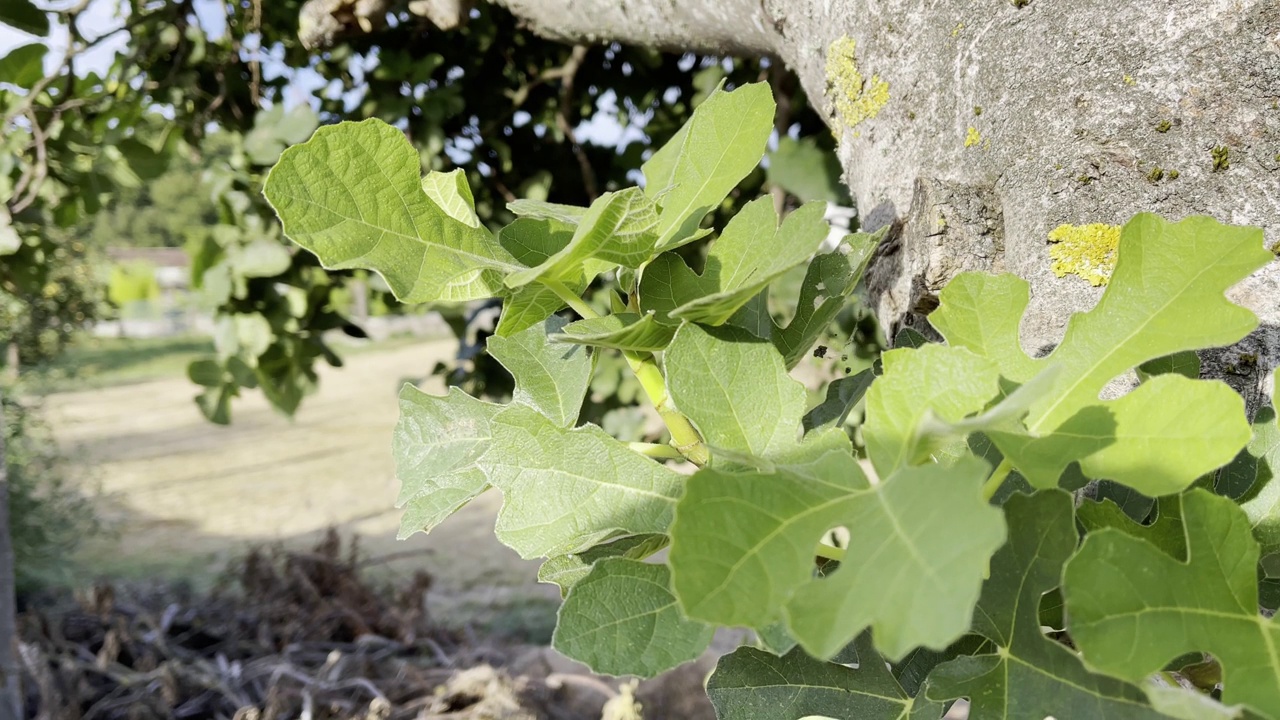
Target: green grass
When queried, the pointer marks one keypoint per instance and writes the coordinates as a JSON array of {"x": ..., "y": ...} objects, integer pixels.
[{"x": 93, "y": 362}]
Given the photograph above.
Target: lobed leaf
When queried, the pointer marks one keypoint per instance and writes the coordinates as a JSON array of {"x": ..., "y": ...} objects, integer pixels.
[
  {"x": 743, "y": 546},
  {"x": 353, "y": 195},
  {"x": 568, "y": 490},
  {"x": 1132, "y": 607},
  {"x": 1029, "y": 675},
  {"x": 566, "y": 570},
  {"x": 1166, "y": 297}
]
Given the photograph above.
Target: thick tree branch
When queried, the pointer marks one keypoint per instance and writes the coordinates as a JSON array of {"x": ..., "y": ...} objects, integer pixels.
[{"x": 734, "y": 27}]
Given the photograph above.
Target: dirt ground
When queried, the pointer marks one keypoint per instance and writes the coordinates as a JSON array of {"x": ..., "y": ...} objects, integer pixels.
[{"x": 183, "y": 496}]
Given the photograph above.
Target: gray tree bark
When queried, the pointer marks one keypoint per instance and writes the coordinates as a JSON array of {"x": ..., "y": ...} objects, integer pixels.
[{"x": 1073, "y": 107}]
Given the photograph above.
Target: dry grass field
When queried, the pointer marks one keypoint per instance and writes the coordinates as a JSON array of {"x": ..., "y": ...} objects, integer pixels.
[{"x": 182, "y": 496}]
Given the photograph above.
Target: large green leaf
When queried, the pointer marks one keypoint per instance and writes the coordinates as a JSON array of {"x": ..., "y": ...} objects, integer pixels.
[
  {"x": 1165, "y": 297},
  {"x": 438, "y": 444},
  {"x": 743, "y": 546},
  {"x": 550, "y": 377},
  {"x": 621, "y": 619},
  {"x": 720, "y": 144},
  {"x": 1132, "y": 607},
  {"x": 619, "y": 229},
  {"x": 1029, "y": 675},
  {"x": 750, "y": 684},
  {"x": 752, "y": 252},
  {"x": 735, "y": 389},
  {"x": 565, "y": 490},
  {"x": 1158, "y": 439},
  {"x": 353, "y": 196},
  {"x": 568, "y": 490}
]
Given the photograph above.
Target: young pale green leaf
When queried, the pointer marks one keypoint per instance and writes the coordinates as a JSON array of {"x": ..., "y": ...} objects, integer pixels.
[
  {"x": 842, "y": 395},
  {"x": 751, "y": 683},
  {"x": 566, "y": 570},
  {"x": 1132, "y": 608},
  {"x": 619, "y": 331},
  {"x": 452, "y": 193},
  {"x": 550, "y": 377},
  {"x": 542, "y": 210},
  {"x": 735, "y": 389},
  {"x": 1261, "y": 502},
  {"x": 1029, "y": 675},
  {"x": 828, "y": 282},
  {"x": 438, "y": 445},
  {"x": 719, "y": 146},
  {"x": 1165, "y": 297},
  {"x": 569, "y": 490},
  {"x": 618, "y": 229},
  {"x": 947, "y": 382},
  {"x": 752, "y": 252},
  {"x": 743, "y": 546},
  {"x": 621, "y": 619},
  {"x": 353, "y": 196},
  {"x": 1157, "y": 439}
]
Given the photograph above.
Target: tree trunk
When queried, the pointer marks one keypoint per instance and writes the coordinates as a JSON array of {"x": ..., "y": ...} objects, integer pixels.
[
  {"x": 11, "y": 705},
  {"x": 1006, "y": 119}
]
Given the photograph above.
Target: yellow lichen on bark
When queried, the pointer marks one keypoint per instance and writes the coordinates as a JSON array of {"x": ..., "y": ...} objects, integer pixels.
[
  {"x": 855, "y": 98},
  {"x": 973, "y": 137},
  {"x": 1088, "y": 251}
]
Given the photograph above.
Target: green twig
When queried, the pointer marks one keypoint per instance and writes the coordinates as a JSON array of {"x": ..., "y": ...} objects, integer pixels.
[
  {"x": 997, "y": 479},
  {"x": 684, "y": 436},
  {"x": 656, "y": 450}
]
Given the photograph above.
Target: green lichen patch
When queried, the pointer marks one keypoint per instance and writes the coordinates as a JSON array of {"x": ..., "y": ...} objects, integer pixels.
[
  {"x": 1156, "y": 174},
  {"x": 1087, "y": 251},
  {"x": 1221, "y": 158},
  {"x": 855, "y": 98},
  {"x": 977, "y": 110},
  {"x": 1163, "y": 126},
  {"x": 1172, "y": 174}
]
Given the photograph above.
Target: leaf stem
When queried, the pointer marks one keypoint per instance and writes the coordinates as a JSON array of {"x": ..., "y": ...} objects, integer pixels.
[
  {"x": 684, "y": 436},
  {"x": 997, "y": 479},
  {"x": 656, "y": 450},
  {"x": 570, "y": 298}
]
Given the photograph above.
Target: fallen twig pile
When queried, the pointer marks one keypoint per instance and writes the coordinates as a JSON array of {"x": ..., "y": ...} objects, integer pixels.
[{"x": 293, "y": 635}]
